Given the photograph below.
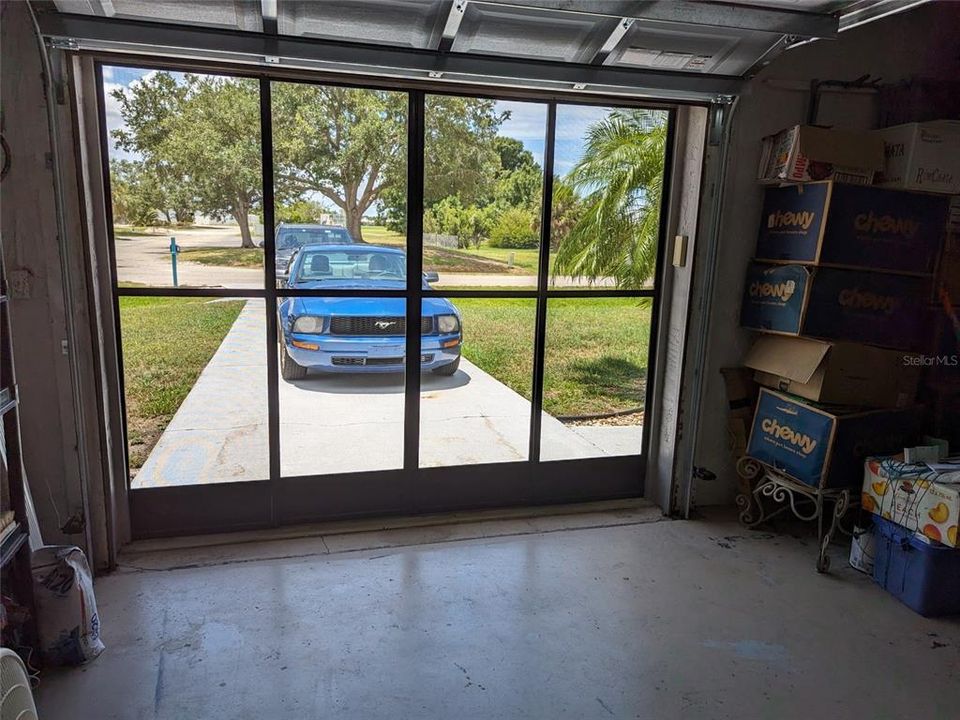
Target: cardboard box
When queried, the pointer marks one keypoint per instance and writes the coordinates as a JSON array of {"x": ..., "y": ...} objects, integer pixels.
[
  {"x": 910, "y": 497},
  {"x": 832, "y": 304},
  {"x": 948, "y": 266},
  {"x": 942, "y": 362},
  {"x": 922, "y": 156},
  {"x": 741, "y": 398},
  {"x": 803, "y": 153},
  {"x": 821, "y": 448},
  {"x": 838, "y": 373},
  {"x": 838, "y": 225}
]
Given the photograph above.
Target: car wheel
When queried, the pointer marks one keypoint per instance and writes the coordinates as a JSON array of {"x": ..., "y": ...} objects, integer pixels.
[
  {"x": 289, "y": 368},
  {"x": 448, "y": 369}
]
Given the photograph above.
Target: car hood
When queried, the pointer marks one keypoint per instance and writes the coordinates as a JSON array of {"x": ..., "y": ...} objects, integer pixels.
[{"x": 366, "y": 307}]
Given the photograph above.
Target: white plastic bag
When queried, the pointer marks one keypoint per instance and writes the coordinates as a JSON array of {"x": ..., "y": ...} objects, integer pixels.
[{"x": 67, "y": 617}]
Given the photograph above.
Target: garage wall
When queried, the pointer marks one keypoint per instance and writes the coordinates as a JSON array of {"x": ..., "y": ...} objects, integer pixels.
[
  {"x": 920, "y": 42},
  {"x": 68, "y": 511}
]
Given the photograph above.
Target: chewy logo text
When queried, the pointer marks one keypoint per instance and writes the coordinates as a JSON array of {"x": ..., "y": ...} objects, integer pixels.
[
  {"x": 804, "y": 443},
  {"x": 868, "y": 222},
  {"x": 857, "y": 299},
  {"x": 781, "y": 219},
  {"x": 784, "y": 290}
]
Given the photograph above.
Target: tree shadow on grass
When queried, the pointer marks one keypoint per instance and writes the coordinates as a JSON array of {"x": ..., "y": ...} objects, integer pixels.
[{"x": 613, "y": 377}]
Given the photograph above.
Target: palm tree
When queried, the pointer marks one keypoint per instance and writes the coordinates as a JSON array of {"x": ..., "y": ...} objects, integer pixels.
[{"x": 620, "y": 177}]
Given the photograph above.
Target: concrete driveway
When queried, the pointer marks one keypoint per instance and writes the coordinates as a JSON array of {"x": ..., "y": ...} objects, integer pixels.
[{"x": 347, "y": 423}]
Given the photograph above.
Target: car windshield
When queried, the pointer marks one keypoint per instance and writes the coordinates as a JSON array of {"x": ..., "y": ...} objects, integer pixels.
[
  {"x": 343, "y": 265},
  {"x": 298, "y": 237}
]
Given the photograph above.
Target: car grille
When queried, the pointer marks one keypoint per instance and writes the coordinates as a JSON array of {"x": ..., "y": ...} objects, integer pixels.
[
  {"x": 349, "y": 325},
  {"x": 355, "y": 361}
]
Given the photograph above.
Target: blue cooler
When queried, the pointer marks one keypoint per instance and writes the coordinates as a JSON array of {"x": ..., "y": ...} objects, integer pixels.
[{"x": 923, "y": 576}]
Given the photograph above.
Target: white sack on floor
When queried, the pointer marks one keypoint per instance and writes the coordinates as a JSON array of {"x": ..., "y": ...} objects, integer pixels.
[{"x": 66, "y": 608}]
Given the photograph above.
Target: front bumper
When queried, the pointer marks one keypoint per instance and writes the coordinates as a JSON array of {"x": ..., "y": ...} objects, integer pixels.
[{"x": 369, "y": 354}]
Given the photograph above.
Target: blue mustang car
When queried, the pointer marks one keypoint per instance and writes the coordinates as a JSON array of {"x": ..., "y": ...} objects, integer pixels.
[{"x": 351, "y": 335}]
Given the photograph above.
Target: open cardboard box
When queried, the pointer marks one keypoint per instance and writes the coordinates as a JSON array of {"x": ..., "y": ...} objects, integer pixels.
[
  {"x": 838, "y": 373},
  {"x": 803, "y": 153}
]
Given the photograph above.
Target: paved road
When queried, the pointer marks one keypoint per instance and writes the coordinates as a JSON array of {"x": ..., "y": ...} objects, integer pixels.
[
  {"x": 146, "y": 260},
  {"x": 347, "y": 423}
]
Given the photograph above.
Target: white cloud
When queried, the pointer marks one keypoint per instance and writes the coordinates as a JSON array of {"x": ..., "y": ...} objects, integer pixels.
[
  {"x": 527, "y": 121},
  {"x": 574, "y": 120},
  {"x": 113, "y": 80}
]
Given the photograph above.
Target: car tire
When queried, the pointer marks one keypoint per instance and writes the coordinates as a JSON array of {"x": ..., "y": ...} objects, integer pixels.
[
  {"x": 290, "y": 369},
  {"x": 448, "y": 369}
]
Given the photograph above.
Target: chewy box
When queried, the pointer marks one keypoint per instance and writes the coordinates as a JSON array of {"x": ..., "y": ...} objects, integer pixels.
[
  {"x": 833, "y": 304},
  {"x": 906, "y": 495},
  {"x": 824, "y": 448},
  {"x": 922, "y": 576},
  {"x": 830, "y": 223}
]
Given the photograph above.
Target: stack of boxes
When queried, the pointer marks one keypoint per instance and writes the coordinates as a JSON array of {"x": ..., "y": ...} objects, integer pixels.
[{"x": 845, "y": 289}]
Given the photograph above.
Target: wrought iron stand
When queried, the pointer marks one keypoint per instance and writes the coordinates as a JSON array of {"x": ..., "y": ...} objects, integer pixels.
[{"x": 805, "y": 502}]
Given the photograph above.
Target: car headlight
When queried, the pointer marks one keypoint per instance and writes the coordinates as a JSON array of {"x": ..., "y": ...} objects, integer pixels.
[
  {"x": 448, "y": 323},
  {"x": 308, "y": 324}
]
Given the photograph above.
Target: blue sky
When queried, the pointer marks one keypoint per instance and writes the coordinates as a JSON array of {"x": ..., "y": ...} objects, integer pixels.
[{"x": 527, "y": 121}]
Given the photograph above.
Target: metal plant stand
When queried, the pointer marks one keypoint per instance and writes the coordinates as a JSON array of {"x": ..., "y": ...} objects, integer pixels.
[{"x": 806, "y": 502}]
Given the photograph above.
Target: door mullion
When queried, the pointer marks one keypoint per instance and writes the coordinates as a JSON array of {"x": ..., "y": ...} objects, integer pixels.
[
  {"x": 270, "y": 293},
  {"x": 543, "y": 282},
  {"x": 415, "y": 164}
]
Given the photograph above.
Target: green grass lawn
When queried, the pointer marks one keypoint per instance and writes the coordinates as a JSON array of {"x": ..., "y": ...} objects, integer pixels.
[
  {"x": 379, "y": 235},
  {"x": 523, "y": 259},
  {"x": 166, "y": 344},
  {"x": 225, "y": 257},
  {"x": 596, "y": 352},
  {"x": 131, "y": 231},
  {"x": 448, "y": 259}
]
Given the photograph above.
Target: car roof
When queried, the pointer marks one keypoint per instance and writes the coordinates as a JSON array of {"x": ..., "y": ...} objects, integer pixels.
[
  {"x": 310, "y": 226},
  {"x": 351, "y": 247}
]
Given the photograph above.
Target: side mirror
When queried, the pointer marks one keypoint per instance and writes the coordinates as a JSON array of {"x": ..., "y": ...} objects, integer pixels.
[{"x": 431, "y": 277}]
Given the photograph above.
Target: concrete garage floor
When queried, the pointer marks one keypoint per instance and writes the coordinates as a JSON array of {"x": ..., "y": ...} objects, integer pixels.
[
  {"x": 549, "y": 617},
  {"x": 348, "y": 423}
]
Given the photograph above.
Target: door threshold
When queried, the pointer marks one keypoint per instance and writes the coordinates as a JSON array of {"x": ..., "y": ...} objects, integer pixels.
[{"x": 460, "y": 526}]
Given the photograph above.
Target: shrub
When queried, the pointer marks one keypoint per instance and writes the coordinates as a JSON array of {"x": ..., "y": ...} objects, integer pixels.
[{"x": 515, "y": 229}]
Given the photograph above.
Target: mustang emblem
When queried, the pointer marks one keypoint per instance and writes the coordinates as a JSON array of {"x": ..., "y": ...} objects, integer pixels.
[{"x": 384, "y": 324}]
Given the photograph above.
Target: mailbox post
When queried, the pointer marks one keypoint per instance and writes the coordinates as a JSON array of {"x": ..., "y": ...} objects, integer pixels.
[{"x": 174, "y": 249}]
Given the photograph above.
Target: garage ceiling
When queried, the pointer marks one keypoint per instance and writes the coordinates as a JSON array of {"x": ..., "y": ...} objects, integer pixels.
[{"x": 722, "y": 40}]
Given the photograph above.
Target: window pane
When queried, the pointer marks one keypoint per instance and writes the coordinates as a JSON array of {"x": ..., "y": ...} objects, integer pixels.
[
  {"x": 595, "y": 374},
  {"x": 195, "y": 380},
  {"x": 476, "y": 408},
  {"x": 341, "y": 383},
  {"x": 608, "y": 175},
  {"x": 483, "y": 180},
  {"x": 340, "y": 172},
  {"x": 185, "y": 178}
]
